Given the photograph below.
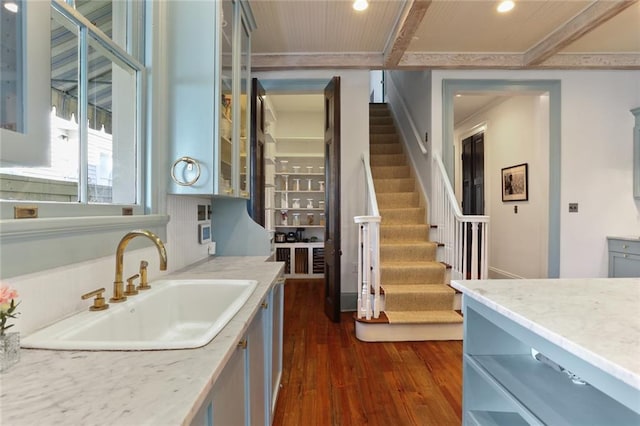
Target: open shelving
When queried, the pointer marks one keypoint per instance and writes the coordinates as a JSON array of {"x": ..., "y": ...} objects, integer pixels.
[{"x": 505, "y": 385}]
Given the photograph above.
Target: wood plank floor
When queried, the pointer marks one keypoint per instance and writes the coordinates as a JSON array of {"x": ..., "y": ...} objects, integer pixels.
[{"x": 331, "y": 378}]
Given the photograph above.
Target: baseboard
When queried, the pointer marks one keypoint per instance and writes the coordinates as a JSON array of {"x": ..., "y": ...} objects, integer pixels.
[
  {"x": 348, "y": 302},
  {"x": 498, "y": 274}
]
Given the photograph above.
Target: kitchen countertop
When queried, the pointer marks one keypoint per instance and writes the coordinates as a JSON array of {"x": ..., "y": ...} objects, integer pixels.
[
  {"x": 595, "y": 319},
  {"x": 164, "y": 387}
]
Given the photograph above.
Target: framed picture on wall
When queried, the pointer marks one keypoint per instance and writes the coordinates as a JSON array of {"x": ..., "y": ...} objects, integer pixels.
[{"x": 515, "y": 183}]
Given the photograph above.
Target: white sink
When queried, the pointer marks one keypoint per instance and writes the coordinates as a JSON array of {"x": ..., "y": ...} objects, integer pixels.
[{"x": 173, "y": 314}]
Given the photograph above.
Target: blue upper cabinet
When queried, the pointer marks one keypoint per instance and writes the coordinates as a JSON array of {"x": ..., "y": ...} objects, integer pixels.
[{"x": 208, "y": 62}]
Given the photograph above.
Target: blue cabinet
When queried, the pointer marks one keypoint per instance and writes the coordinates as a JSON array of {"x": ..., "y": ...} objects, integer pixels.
[
  {"x": 624, "y": 257},
  {"x": 505, "y": 385},
  {"x": 246, "y": 390}
]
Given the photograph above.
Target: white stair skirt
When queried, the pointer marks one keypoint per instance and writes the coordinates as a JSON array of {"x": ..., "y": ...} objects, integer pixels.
[{"x": 380, "y": 332}]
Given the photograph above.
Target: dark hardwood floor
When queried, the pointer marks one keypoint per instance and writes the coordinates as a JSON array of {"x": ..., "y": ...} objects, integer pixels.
[{"x": 331, "y": 378}]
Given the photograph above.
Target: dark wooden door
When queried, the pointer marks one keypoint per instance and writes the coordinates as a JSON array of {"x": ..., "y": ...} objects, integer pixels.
[
  {"x": 332, "y": 250},
  {"x": 473, "y": 184},
  {"x": 473, "y": 174},
  {"x": 256, "y": 200}
]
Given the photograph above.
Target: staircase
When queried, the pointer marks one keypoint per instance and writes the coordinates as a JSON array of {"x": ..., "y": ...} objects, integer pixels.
[{"x": 418, "y": 303}]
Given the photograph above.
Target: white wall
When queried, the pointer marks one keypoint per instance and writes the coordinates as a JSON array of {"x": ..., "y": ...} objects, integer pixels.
[
  {"x": 409, "y": 93},
  {"x": 596, "y": 162},
  {"x": 515, "y": 131},
  {"x": 300, "y": 132},
  {"x": 48, "y": 296},
  {"x": 354, "y": 140}
]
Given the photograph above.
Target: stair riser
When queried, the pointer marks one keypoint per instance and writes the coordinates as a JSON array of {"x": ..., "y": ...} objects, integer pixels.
[
  {"x": 404, "y": 199},
  {"x": 411, "y": 275},
  {"x": 403, "y": 216},
  {"x": 382, "y": 129},
  {"x": 416, "y": 302},
  {"x": 407, "y": 253},
  {"x": 394, "y": 185},
  {"x": 388, "y": 160},
  {"x": 390, "y": 172},
  {"x": 385, "y": 148},
  {"x": 382, "y": 138},
  {"x": 404, "y": 233},
  {"x": 380, "y": 121}
]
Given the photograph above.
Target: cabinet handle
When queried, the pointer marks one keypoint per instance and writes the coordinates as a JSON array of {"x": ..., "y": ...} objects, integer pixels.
[
  {"x": 265, "y": 305},
  {"x": 624, "y": 246},
  {"x": 229, "y": 190},
  {"x": 242, "y": 344},
  {"x": 190, "y": 161}
]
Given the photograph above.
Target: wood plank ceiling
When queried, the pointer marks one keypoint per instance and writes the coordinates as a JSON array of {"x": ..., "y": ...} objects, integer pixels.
[{"x": 471, "y": 34}]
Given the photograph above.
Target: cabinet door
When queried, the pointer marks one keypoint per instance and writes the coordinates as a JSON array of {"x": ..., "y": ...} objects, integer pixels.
[
  {"x": 228, "y": 399},
  {"x": 258, "y": 401},
  {"x": 277, "y": 316}
]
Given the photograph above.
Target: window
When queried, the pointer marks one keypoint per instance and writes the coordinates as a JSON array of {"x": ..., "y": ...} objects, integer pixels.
[{"x": 90, "y": 136}]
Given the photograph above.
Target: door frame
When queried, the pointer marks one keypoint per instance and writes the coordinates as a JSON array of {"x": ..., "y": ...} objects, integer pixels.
[{"x": 553, "y": 87}]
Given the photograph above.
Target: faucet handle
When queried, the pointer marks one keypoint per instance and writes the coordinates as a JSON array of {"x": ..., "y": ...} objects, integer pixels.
[
  {"x": 98, "y": 302},
  {"x": 144, "y": 285},
  {"x": 131, "y": 287}
]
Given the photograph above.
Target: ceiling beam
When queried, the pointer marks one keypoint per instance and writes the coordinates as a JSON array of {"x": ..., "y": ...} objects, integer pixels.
[
  {"x": 404, "y": 31},
  {"x": 267, "y": 62},
  {"x": 591, "y": 17},
  {"x": 418, "y": 60},
  {"x": 609, "y": 61}
]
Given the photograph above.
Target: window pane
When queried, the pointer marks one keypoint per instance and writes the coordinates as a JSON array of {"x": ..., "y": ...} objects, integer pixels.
[
  {"x": 58, "y": 180},
  {"x": 11, "y": 112},
  {"x": 112, "y": 139}
]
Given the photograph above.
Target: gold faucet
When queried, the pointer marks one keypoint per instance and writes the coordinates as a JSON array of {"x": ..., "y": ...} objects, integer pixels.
[{"x": 118, "y": 285}]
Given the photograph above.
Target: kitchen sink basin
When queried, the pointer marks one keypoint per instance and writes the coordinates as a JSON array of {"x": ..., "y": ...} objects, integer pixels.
[{"x": 173, "y": 314}]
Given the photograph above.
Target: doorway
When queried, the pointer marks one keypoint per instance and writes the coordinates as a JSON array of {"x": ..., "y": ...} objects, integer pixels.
[
  {"x": 520, "y": 127},
  {"x": 302, "y": 184}
]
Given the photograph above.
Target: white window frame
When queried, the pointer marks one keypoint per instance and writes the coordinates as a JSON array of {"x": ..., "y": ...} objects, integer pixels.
[{"x": 87, "y": 231}]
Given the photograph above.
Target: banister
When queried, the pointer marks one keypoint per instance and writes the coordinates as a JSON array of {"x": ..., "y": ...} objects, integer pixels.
[{"x": 371, "y": 193}]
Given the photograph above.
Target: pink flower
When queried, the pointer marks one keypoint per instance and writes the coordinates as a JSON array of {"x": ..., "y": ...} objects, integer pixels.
[
  {"x": 7, "y": 307},
  {"x": 6, "y": 294}
]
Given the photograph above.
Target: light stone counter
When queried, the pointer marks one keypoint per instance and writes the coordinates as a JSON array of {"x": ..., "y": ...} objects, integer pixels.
[
  {"x": 595, "y": 319},
  {"x": 136, "y": 387}
]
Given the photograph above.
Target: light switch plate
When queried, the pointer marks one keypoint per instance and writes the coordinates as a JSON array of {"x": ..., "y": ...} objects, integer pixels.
[{"x": 204, "y": 233}]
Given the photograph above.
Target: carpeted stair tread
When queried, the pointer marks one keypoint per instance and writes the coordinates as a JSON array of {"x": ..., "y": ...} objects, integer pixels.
[
  {"x": 404, "y": 233},
  {"x": 424, "y": 317},
  {"x": 395, "y": 199},
  {"x": 385, "y": 148},
  {"x": 411, "y": 215},
  {"x": 394, "y": 185},
  {"x": 390, "y": 172},
  {"x": 383, "y": 138},
  {"x": 416, "y": 297},
  {"x": 413, "y": 272},
  {"x": 388, "y": 129},
  {"x": 413, "y": 281},
  {"x": 388, "y": 160},
  {"x": 408, "y": 251}
]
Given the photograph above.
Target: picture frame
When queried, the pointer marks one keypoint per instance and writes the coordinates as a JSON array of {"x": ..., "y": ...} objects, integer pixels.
[{"x": 515, "y": 183}]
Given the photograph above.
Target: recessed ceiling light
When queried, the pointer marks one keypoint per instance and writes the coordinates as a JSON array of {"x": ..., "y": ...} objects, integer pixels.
[
  {"x": 11, "y": 6},
  {"x": 360, "y": 5},
  {"x": 505, "y": 6}
]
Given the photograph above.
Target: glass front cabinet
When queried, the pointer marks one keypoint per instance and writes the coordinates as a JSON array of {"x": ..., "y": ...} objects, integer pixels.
[{"x": 209, "y": 85}]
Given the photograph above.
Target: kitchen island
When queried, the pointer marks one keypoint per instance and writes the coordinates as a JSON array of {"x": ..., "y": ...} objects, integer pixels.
[
  {"x": 158, "y": 387},
  {"x": 588, "y": 331}
]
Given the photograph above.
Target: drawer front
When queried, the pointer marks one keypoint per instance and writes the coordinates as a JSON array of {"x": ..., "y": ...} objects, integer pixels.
[{"x": 624, "y": 246}]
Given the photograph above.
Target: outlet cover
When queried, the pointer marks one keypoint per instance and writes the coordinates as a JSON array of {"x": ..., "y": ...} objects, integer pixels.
[{"x": 573, "y": 207}]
